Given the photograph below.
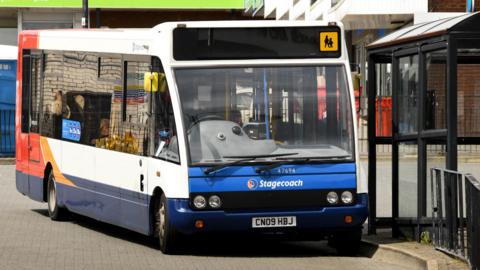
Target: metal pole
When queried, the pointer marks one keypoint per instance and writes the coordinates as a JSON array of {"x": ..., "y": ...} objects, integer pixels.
[
  {"x": 452, "y": 103},
  {"x": 98, "y": 20},
  {"x": 85, "y": 17},
  {"x": 372, "y": 148},
  {"x": 470, "y": 6},
  {"x": 395, "y": 148}
]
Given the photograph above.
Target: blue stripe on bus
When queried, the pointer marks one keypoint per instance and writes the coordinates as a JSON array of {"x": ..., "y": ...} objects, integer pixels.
[
  {"x": 107, "y": 208},
  {"x": 29, "y": 185}
]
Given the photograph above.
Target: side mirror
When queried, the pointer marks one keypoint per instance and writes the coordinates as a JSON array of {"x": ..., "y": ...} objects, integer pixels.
[{"x": 154, "y": 81}]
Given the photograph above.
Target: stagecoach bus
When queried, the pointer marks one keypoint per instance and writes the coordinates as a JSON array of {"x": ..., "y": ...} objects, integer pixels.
[{"x": 193, "y": 128}]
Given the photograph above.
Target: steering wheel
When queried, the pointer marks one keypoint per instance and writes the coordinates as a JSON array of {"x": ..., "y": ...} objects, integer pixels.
[
  {"x": 209, "y": 117},
  {"x": 205, "y": 117}
]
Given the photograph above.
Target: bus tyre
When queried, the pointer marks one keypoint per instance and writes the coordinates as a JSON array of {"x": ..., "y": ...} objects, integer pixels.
[
  {"x": 54, "y": 210},
  {"x": 167, "y": 236},
  {"x": 347, "y": 243}
]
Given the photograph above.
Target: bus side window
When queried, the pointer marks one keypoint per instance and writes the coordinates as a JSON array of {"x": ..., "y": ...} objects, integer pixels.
[
  {"x": 166, "y": 141},
  {"x": 80, "y": 90}
]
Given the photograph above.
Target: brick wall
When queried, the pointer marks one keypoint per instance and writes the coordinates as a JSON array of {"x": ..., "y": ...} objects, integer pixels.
[
  {"x": 468, "y": 87},
  {"x": 450, "y": 5},
  {"x": 147, "y": 19},
  {"x": 468, "y": 84},
  {"x": 436, "y": 83}
]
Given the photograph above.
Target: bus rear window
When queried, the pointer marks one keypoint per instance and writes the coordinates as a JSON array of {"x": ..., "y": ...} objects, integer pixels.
[{"x": 256, "y": 43}]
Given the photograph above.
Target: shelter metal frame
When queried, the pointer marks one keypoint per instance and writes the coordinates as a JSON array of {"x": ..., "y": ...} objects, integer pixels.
[{"x": 389, "y": 50}]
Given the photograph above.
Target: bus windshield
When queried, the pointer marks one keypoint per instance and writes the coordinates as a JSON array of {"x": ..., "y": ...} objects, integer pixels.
[{"x": 238, "y": 112}]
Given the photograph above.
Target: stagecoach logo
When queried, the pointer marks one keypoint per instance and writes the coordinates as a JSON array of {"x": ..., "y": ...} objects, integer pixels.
[
  {"x": 282, "y": 184},
  {"x": 139, "y": 47},
  {"x": 252, "y": 184}
]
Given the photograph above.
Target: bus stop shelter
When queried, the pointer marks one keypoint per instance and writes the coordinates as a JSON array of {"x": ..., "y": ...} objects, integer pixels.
[{"x": 424, "y": 88}]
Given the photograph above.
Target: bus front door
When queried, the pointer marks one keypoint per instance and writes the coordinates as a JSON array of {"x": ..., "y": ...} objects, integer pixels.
[
  {"x": 134, "y": 204},
  {"x": 35, "y": 183}
]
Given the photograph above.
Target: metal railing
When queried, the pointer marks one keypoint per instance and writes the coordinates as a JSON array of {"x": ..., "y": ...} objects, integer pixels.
[{"x": 456, "y": 214}]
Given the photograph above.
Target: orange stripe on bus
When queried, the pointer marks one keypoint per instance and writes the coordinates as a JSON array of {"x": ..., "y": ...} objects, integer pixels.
[{"x": 48, "y": 157}]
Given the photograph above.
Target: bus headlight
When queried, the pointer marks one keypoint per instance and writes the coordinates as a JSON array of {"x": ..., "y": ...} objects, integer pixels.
[
  {"x": 347, "y": 197},
  {"x": 332, "y": 197},
  {"x": 214, "y": 201},
  {"x": 199, "y": 202}
]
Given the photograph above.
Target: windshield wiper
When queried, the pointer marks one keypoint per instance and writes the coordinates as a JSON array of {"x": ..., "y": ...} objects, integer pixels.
[
  {"x": 299, "y": 159},
  {"x": 243, "y": 159}
]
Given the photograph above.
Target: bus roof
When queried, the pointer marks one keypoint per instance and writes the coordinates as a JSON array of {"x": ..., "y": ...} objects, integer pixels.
[{"x": 134, "y": 41}]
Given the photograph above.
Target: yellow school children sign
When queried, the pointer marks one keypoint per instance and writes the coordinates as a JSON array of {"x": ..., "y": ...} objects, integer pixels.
[{"x": 328, "y": 41}]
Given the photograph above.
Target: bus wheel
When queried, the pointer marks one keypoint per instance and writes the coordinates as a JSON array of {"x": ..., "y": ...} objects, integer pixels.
[
  {"x": 347, "y": 243},
  {"x": 54, "y": 210},
  {"x": 167, "y": 236}
]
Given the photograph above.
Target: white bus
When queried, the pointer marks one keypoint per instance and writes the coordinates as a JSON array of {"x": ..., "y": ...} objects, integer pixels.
[{"x": 193, "y": 127}]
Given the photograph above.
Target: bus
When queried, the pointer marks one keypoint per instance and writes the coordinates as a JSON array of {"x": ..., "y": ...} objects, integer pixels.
[{"x": 193, "y": 128}]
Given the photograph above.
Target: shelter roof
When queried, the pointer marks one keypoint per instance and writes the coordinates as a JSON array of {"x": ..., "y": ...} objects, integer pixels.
[{"x": 462, "y": 23}]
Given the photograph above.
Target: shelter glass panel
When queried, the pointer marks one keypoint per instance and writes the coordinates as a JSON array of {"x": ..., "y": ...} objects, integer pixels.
[
  {"x": 467, "y": 161},
  {"x": 408, "y": 94},
  {"x": 407, "y": 191},
  {"x": 435, "y": 96},
  {"x": 436, "y": 158},
  {"x": 468, "y": 88},
  {"x": 383, "y": 100},
  {"x": 384, "y": 181}
]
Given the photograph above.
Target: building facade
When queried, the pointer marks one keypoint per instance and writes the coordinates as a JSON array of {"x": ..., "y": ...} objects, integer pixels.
[{"x": 53, "y": 14}]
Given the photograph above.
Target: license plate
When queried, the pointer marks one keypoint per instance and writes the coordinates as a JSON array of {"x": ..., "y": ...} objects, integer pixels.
[{"x": 274, "y": 222}]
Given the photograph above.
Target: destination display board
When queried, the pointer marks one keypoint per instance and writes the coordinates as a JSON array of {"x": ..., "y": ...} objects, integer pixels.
[{"x": 256, "y": 43}]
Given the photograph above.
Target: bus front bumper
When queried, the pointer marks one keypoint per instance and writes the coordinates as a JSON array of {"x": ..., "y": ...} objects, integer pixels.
[{"x": 320, "y": 221}]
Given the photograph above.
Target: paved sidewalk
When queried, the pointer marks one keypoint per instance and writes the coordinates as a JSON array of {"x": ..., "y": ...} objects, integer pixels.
[{"x": 425, "y": 256}]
